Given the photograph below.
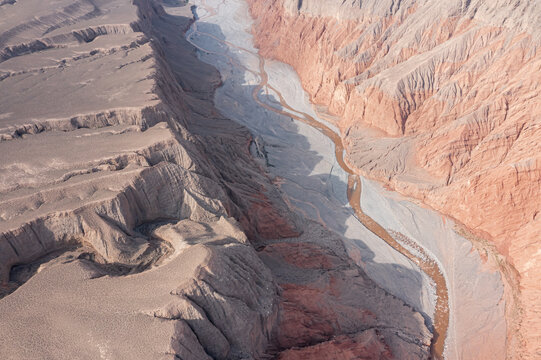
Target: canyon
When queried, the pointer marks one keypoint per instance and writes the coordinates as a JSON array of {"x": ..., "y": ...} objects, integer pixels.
[
  {"x": 439, "y": 102},
  {"x": 195, "y": 180}
]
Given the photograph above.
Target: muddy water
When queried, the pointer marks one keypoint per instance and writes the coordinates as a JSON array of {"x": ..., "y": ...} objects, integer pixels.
[{"x": 421, "y": 258}]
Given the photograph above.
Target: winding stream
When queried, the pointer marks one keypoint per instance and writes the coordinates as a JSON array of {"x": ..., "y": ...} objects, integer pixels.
[
  {"x": 421, "y": 258},
  {"x": 431, "y": 268}
]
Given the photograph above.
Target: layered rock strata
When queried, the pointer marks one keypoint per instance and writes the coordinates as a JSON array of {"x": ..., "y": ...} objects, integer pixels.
[
  {"x": 438, "y": 101},
  {"x": 109, "y": 140},
  {"x": 90, "y": 154},
  {"x": 130, "y": 209}
]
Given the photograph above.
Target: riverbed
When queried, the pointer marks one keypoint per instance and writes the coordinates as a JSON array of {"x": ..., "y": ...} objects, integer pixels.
[{"x": 299, "y": 151}]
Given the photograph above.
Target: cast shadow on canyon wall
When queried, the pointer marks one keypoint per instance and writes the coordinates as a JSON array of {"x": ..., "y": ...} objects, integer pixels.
[
  {"x": 278, "y": 132},
  {"x": 280, "y": 135}
]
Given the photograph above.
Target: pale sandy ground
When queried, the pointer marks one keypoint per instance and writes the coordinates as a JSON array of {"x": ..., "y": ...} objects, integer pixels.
[{"x": 303, "y": 161}]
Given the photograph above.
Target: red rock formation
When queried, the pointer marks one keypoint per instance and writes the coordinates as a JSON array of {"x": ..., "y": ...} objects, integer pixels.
[
  {"x": 330, "y": 309},
  {"x": 367, "y": 345},
  {"x": 440, "y": 102}
]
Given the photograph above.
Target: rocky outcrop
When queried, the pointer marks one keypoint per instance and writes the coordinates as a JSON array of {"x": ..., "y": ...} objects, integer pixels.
[
  {"x": 212, "y": 299},
  {"x": 438, "y": 101},
  {"x": 118, "y": 168},
  {"x": 131, "y": 210},
  {"x": 331, "y": 309},
  {"x": 116, "y": 163},
  {"x": 230, "y": 305}
]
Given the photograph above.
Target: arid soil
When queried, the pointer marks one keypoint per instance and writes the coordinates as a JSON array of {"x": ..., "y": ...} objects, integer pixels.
[
  {"x": 439, "y": 101},
  {"x": 135, "y": 222}
]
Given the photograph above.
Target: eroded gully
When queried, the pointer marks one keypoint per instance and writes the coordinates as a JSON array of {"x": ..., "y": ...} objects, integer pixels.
[{"x": 423, "y": 260}]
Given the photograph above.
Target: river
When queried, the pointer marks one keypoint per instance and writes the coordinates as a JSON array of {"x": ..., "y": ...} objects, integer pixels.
[{"x": 305, "y": 155}]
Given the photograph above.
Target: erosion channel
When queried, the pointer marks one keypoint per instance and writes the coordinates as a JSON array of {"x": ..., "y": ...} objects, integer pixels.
[{"x": 317, "y": 182}]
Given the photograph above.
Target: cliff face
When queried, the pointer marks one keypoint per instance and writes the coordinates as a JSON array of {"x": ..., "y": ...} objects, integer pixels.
[
  {"x": 113, "y": 164},
  {"x": 96, "y": 139},
  {"x": 131, "y": 210},
  {"x": 440, "y": 101}
]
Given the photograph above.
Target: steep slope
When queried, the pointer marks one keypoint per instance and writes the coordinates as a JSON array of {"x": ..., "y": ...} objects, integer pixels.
[
  {"x": 438, "y": 100},
  {"x": 104, "y": 151},
  {"x": 131, "y": 210},
  {"x": 96, "y": 142}
]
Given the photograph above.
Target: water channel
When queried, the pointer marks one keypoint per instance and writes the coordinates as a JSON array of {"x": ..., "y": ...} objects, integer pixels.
[{"x": 305, "y": 154}]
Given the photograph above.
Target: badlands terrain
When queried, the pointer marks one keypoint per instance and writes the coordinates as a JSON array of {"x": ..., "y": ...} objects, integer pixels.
[
  {"x": 192, "y": 180},
  {"x": 439, "y": 101}
]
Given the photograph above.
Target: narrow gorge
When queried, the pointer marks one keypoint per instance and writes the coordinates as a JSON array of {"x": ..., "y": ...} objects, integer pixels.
[{"x": 257, "y": 179}]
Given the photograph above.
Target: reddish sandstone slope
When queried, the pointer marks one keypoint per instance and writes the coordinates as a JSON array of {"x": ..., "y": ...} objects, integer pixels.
[{"x": 439, "y": 100}]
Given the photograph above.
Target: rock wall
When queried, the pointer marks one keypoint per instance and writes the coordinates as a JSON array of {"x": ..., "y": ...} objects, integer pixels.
[
  {"x": 131, "y": 210},
  {"x": 439, "y": 101},
  {"x": 94, "y": 177},
  {"x": 106, "y": 136}
]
